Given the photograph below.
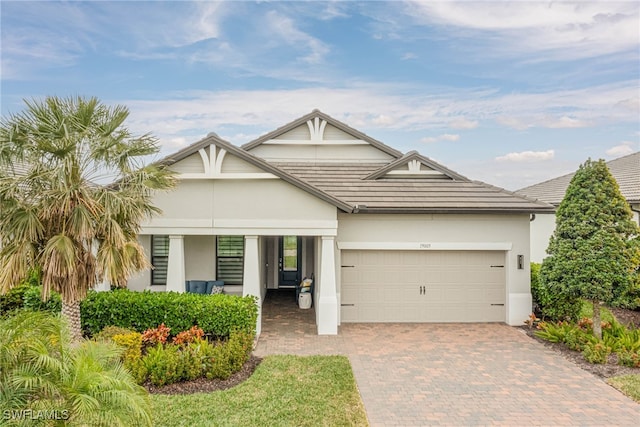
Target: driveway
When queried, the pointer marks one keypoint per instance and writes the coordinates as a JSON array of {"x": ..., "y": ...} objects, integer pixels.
[{"x": 457, "y": 374}]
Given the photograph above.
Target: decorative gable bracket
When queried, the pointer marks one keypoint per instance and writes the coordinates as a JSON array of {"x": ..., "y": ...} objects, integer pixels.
[
  {"x": 414, "y": 165},
  {"x": 212, "y": 165}
]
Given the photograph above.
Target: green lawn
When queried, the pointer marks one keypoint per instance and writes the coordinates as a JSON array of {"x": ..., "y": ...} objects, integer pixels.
[
  {"x": 628, "y": 384},
  {"x": 283, "y": 391}
]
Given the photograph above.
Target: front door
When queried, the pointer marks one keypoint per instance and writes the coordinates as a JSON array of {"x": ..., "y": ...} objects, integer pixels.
[{"x": 290, "y": 261}]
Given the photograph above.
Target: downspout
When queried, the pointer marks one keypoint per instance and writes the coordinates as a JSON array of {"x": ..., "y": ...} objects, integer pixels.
[{"x": 532, "y": 217}]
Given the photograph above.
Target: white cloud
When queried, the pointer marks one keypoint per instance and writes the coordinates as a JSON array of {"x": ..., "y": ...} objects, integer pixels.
[
  {"x": 443, "y": 137},
  {"x": 449, "y": 137},
  {"x": 429, "y": 139},
  {"x": 626, "y": 147},
  {"x": 383, "y": 120},
  {"x": 562, "y": 29},
  {"x": 285, "y": 27},
  {"x": 513, "y": 122},
  {"x": 409, "y": 55},
  {"x": 463, "y": 123},
  {"x": 404, "y": 108},
  {"x": 527, "y": 156},
  {"x": 563, "y": 122}
]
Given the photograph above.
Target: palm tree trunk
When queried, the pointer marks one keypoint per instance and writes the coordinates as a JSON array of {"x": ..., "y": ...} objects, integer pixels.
[
  {"x": 71, "y": 311},
  {"x": 597, "y": 325}
]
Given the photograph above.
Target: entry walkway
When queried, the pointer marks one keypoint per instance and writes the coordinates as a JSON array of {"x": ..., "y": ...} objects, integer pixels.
[{"x": 452, "y": 374}]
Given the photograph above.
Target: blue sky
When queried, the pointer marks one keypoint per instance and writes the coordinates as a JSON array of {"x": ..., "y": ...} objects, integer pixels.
[{"x": 510, "y": 93}]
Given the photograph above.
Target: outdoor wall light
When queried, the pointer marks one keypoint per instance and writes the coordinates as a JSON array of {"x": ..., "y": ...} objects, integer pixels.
[{"x": 520, "y": 262}]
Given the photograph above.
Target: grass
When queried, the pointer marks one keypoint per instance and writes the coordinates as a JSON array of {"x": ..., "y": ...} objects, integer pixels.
[
  {"x": 283, "y": 391},
  {"x": 587, "y": 311},
  {"x": 627, "y": 384}
]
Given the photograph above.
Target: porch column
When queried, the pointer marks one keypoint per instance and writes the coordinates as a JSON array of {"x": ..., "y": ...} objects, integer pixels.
[
  {"x": 175, "y": 265},
  {"x": 251, "y": 275},
  {"x": 327, "y": 301}
]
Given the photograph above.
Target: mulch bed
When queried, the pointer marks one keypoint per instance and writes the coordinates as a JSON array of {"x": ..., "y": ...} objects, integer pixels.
[
  {"x": 630, "y": 318},
  {"x": 203, "y": 385}
]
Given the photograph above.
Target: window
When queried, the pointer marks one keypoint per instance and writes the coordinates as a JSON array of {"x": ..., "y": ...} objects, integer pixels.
[
  {"x": 159, "y": 259},
  {"x": 230, "y": 259}
]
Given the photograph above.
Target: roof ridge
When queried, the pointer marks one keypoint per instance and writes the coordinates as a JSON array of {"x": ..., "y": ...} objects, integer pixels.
[{"x": 333, "y": 121}]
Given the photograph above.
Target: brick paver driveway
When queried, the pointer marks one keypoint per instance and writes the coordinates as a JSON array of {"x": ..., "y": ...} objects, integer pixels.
[{"x": 457, "y": 374}]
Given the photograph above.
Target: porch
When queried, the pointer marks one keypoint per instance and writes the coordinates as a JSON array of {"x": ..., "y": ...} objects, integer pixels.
[
  {"x": 287, "y": 329},
  {"x": 251, "y": 265}
]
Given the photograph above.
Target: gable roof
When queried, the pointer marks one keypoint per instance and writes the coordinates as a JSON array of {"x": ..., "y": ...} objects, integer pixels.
[
  {"x": 626, "y": 171},
  {"x": 213, "y": 139},
  {"x": 409, "y": 195},
  {"x": 414, "y": 155},
  {"x": 330, "y": 120},
  {"x": 363, "y": 187}
]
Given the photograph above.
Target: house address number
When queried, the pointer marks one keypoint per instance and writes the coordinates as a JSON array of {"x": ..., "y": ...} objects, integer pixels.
[{"x": 425, "y": 245}]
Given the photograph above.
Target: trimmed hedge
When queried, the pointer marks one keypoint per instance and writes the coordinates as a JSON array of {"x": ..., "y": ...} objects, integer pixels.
[{"x": 217, "y": 315}]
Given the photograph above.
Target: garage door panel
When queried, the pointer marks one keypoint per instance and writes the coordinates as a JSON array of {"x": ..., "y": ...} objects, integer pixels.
[{"x": 423, "y": 286}]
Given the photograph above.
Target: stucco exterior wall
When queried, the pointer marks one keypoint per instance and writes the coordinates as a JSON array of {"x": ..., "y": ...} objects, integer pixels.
[
  {"x": 142, "y": 280},
  {"x": 244, "y": 206},
  {"x": 310, "y": 152},
  {"x": 541, "y": 230},
  {"x": 200, "y": 257},
  {"x": 465, "y": 231}
]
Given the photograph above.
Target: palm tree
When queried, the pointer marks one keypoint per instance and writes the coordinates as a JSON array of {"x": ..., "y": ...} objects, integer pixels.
[
  {"x": 77, "y": 385},
  {"x": 73, "y": 192}
]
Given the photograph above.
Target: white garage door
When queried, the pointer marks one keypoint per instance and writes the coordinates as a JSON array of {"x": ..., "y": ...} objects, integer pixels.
[{"x": 423, "y": 286}]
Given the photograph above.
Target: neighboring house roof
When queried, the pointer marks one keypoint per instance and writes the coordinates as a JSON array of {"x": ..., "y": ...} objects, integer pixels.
[
  {"x": 626, "y": 171},
  {"x": 406, "y": 184}
]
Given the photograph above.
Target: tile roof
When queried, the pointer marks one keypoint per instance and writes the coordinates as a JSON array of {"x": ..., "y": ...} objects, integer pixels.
[
  {"x": 626, "y": 171},
  {"x": 347, "y": 182},
  {"x": 361, "y": 186}
]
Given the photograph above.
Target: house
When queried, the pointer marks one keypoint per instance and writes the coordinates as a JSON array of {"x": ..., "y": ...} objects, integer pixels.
[
  {"x": 626, "y": 171},
  {"x": 387, "y": 236}
]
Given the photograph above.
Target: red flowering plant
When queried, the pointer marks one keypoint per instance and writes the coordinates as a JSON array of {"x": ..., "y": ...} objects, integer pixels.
[
  {"x": 157, "y": 335},
  {"x": 185, "y": 337}
]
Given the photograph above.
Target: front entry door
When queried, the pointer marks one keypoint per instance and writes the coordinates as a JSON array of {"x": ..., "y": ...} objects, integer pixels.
[{"x": 290, "y": 261}]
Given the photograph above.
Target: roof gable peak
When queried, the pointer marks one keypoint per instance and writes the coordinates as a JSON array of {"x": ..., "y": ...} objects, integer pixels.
[
  {"x": 317, "y": 124},
  {"x": 415, "y": 165}
]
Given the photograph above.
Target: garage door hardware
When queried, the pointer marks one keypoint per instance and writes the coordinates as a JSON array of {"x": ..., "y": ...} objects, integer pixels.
[
  {"x": 497, "y": 266},
  {"x": 347, "y": 305},
  {"x": 423, "y": 290},
  {"x": 348, "y": 266},
  {"x": 501, "y": 305}
]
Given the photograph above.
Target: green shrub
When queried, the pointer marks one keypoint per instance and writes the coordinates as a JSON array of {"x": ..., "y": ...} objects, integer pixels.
[
  {"x": 41, "y": 368},
  {"x": 576, "y": 339},
  {"x": 192, "y": 357},
  {"x": 551, "y": 304},
  {"x": 217, "y": 315},
  {"x": 629, "y": 358},
  {"x": 13, "y": 299},
  {"x": 107, "y": 333},
  {"x": 629, "y": 298},
  {"x": 132, "y": 343},
  {"x": 217, "y": 363},
  {"x": 162, "y": 364},
  {"x": 596, "y": 352},
  {"x": 553, "y": 332},
  {"x": 33, "y": 300}
]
